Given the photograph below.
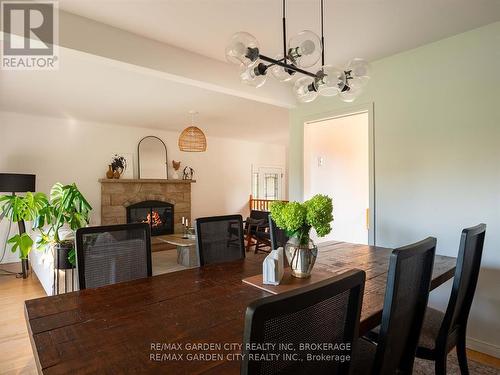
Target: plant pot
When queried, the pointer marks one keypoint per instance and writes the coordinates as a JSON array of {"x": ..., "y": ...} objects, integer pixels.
[
  {"x": 61, "y": 251},
  {"x": 301, "y": 258}
]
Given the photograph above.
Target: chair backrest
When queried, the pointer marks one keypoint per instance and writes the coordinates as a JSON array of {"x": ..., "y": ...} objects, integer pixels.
[
  {"x": 220, "y": 239},
  {"x": 406, "y": 295},
  {"x": 257, "y": 215},
  {"x": 279, "y": 238},
  {"x": 112, "y": 254},
  {"x": 325, "y": 313},
  {"x": 464, "y": 283}
]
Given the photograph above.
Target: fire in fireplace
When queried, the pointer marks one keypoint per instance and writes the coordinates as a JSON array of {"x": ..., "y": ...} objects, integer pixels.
[{"x": 159, "y": 216}]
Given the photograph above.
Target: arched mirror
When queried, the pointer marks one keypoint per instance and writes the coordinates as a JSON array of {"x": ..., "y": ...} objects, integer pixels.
[{"x": 152, "y": 158}]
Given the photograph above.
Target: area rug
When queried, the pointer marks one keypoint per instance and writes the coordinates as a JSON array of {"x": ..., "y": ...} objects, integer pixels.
[{"x": 423, "y": 367}]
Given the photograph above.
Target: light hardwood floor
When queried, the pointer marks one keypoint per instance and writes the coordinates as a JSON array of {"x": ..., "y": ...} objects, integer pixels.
[{"x": 16, "y": 356}]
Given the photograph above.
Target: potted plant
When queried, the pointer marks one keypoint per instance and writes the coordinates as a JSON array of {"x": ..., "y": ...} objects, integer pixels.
[
  {"x": 19, "y": 208},
  {"x": 297, "y": 219},
  {"x": 118, "y": 165},
  {"x": 66, "y": 207}
]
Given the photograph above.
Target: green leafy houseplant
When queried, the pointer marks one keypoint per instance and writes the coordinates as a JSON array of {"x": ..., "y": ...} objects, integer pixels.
[
  {"x": 297, "y": 219},
  {"x": 66, "y": 206},
  {"x": 22, "y": 208}
]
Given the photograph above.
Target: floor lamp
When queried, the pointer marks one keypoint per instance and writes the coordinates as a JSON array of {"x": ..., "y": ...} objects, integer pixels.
[{"x": 18, "y": 183}]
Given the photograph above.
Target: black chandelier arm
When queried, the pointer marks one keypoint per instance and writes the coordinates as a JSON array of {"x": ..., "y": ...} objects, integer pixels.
[
  {"x": 284, "y": 31},
  {"x": 322, "y": 38},
  {"x": 286, "y": 66}
]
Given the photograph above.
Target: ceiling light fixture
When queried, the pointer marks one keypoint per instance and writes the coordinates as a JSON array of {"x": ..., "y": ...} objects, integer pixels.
[
  {"x": 192, "y": 139},
  {"x": 304, "y": 50}
]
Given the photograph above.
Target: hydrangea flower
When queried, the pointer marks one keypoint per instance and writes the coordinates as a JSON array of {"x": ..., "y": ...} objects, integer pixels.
[{"x": 297, "y": 219}]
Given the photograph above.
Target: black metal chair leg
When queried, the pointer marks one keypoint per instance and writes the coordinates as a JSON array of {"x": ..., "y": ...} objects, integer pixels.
[
  {"x": 440, "y": 365},
  {"x": 54, "y": 281},
  {"x": 462, "y": 353},
  {"x": 56, "y": 262}
]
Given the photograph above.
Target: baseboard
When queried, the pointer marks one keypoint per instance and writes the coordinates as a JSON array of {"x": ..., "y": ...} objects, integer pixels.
[{"x": 483, "y": 347}]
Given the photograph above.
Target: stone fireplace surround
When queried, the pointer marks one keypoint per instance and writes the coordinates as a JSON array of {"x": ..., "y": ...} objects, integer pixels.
[{"x": 118, "y": 194}]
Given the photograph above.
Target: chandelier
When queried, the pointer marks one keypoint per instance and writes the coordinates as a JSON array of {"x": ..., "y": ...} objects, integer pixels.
[{"x": 304, "y": 50}]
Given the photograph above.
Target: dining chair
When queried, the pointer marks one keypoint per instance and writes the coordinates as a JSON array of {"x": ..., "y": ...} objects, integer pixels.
[
  {"x": 441, "y": 332},
  {"x": 256, "y": 230},
  {"x": 324, "y": 313},
  {"x": 406, "y": 295},
  {"x": 112, "y": 254},
  {"x": 220, "y": 239},
  {"x": 279, "y": 238}
]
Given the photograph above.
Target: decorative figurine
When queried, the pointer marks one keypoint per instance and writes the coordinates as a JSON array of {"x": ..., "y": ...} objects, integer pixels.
[
  {"x": 188, "y": 173},
  {"x": 176, "y": 165}
]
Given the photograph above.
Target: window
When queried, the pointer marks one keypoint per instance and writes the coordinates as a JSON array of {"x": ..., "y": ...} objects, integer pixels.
[{"x": 267, "y": 183}]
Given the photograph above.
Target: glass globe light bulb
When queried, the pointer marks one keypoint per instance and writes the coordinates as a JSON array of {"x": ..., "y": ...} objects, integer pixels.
[
  {"x": 330, "y": 81},
  {"x": 307, "y": 47},
  {"x": 304, "y": 49},
  {"x": 250, "y": 75},
  {"x": 350, "y": 95},
  {"x": 243, "y": 48},
  {"x": 280, "y": 73},
  {"x": 359, "y": 72},
  {"x": 304, "y": 90}
]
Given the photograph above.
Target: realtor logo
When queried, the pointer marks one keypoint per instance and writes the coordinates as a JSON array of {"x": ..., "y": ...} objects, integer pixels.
[{"x": 30, "y": 32}]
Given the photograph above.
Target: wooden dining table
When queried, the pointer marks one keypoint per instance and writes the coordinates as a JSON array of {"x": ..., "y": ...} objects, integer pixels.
[{"x": 184, "y": 322}]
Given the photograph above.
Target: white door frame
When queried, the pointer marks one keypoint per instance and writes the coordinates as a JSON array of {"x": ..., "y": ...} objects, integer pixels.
[{"x": 349, "y": 111}]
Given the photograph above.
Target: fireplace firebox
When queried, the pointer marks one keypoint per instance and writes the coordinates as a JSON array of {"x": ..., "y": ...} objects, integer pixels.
[{"x": 159, "y": 215}]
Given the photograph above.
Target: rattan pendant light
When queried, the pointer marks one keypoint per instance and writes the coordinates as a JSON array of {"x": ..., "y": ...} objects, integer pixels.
[{"x": 192, "y": 139}]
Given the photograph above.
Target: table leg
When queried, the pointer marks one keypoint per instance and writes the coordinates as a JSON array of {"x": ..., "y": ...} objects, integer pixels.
[{"x": 186, "y": 256}]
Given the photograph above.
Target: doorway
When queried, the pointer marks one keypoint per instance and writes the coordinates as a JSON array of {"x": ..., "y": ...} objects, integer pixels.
[
  {"x": 267, "y": 182},
  {"x": 337, "y": 162}
]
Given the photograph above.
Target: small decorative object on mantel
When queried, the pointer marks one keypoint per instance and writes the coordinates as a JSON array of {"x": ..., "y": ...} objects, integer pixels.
[
  {"x": 119, "y": 165},
  {"x": 297, "y": 219},
  {"x": 192, "y": 139},
  {"x": 188, "y": 173},
  {"x": 272, "y": 268},
  {"x": 110, "y": 173},
  {"x": 176, "y": 165}
]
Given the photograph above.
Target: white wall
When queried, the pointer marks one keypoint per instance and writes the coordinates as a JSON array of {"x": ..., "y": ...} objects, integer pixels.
[
  {"x": 437, "y": 157},
  {"x": 74, "y": 151},
  {"x": 342, "y": 144}
]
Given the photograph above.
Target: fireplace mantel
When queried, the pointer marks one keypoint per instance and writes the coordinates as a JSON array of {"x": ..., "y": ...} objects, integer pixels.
[{"x": 118, "y": 194}]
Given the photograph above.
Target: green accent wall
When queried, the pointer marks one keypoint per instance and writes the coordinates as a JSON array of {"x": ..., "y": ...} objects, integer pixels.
[{"x": 437, "y": 156}]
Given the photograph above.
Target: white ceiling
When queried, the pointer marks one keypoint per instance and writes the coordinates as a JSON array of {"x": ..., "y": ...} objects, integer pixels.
[
  {"x": 96, "y": 89},
  {"x": 353, "y": 28},
  {"x": 91, "y": 88}
]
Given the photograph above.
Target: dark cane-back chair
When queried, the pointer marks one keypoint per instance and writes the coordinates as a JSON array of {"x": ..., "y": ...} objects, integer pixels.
[
  {"x": 324, "y": 313},
  {"x": 441, "y": 332},
  {"x": 112, "y": 254},
  {"x": 257, "y": 231},
  {"x": 406, "y": 295},
  {"x": 220, "y": 239}
]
